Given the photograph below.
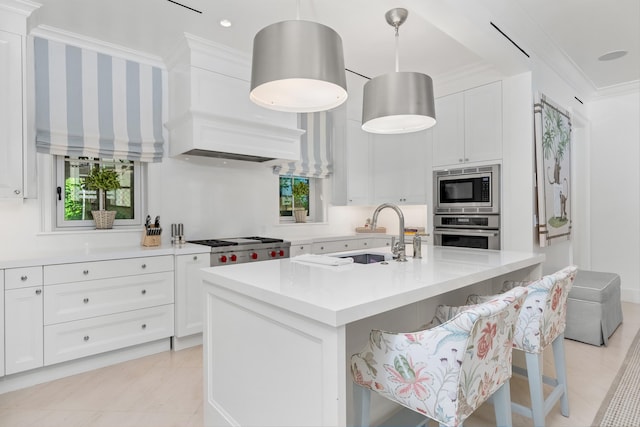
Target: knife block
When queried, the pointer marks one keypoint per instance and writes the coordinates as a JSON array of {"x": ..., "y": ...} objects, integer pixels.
[{"x": 154, "y": 240}]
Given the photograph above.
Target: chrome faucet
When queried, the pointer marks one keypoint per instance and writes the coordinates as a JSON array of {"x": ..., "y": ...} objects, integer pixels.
[{"x": 398, "y": 248}]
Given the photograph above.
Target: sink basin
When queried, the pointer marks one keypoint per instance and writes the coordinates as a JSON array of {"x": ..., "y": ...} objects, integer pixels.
[{"x": 367, "y": 258}]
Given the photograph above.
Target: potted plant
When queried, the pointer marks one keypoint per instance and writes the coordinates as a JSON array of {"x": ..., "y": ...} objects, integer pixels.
[
  {"x": 103, "y": 180},
  {"x": 300, "y": 193}
]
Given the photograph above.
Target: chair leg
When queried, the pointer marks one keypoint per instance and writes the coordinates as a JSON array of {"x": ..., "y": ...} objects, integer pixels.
[
  {"x": 534, "y": 374},
  {"x": 561, "y": 373},
  {"x": 502, "y": 405},
  {"x": 361, "y": 405}
]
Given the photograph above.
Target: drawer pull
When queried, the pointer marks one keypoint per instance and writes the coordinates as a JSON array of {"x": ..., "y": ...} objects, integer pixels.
[
  {"x": 85, "y": 272},
  {"x": 144, "y": 265},
  {"x": 23, "y": 278},
  {"x": 144, "y": 326},
  {"x": 346, "y": 245},
  {"x": 38, "y": 291},
  {"x": 86, "y": 338},
  {"x": 144, "y": 292},
  {"x": 86, "y": 300},
  {"x": 195, "y": 257}
]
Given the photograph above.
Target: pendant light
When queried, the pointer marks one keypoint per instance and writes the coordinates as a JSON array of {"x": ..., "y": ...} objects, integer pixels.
[
  {"x": 398, "y": 102},
  {"x": 298, "y": 66}
]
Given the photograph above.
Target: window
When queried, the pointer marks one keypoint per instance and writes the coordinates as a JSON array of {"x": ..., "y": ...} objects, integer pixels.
[
  {"x": 75, "y": 202},
  {"x": 300, "y": 192}
]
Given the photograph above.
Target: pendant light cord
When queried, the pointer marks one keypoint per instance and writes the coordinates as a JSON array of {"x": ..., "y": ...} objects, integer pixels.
[{"x": 397, "y": 49}]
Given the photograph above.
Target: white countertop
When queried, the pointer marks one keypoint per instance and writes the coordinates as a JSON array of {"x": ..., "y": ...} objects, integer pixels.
[
  {"x": 80, "y": 254},
  {"x": 342, "y": 294}
]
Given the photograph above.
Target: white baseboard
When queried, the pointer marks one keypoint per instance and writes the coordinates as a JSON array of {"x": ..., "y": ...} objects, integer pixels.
[
  {"x": 186, "y": 342},
  {"x": 630, "y": 295},
  {"x": 73, "y": 367}
]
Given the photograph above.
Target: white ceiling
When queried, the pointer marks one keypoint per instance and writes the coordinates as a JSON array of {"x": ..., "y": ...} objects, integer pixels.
[{"x": 440, "y": 38}]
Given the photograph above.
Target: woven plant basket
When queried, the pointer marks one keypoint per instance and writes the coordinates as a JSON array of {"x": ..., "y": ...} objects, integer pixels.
[
  {"x": 300, "y": 215},
  {"x": 104, "y": 219}
]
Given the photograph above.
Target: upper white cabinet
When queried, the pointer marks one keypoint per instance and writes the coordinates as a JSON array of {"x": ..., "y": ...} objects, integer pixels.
[
  {"x": 469, "y": 127},
  {"x": 400, "y": 167},
  {"x": 18, "y": 157},
  {"x": 11, "y": 141},
  {"x": 1, "y": 323},
  {"x": 351, "y": 150}
]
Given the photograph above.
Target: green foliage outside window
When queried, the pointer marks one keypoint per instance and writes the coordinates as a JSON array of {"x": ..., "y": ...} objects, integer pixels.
[{"x": 294, "y": 193}]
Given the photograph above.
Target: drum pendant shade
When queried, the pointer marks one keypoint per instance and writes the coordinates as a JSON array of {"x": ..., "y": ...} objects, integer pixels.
[
  {"x": 298, "y": 66},
  {"x": 398, "y": 102}
]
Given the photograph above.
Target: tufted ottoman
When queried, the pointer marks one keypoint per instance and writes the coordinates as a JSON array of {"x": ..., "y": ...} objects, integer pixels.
[{"x": 594, "y": 310}]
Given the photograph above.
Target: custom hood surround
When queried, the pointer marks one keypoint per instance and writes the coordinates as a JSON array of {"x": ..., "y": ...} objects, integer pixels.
[{"x": 210, "y": 111}]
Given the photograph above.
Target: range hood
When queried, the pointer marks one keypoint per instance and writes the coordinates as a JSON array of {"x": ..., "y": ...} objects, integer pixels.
[{"x": 211, "y": 114}]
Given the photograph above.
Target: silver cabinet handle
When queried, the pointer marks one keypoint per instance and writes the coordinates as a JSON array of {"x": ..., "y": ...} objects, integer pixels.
[
  {"x": 38, "y": 291},
  {"x": 85, "y": 272},
  {"x": 195, "y": 257},
  {"x": 86, "y": 338},
  {"x": 365, "y": 243},
  {"x": 460, "y": 160},
  {"x": 144, "y": 292},
  {"x": 17, "y": 191},
  {"x": 321, "y": 248},
  {"x": 346, "y": 245},
  {"x": 23, "y": 278},
  {"x": 144, "y": 326},
  {"x": 144, "y": 265},
  {"x": 86, "y": 300}
]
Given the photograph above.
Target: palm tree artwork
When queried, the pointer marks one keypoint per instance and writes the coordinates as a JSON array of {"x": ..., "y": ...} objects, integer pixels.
[{"x": 556, "y": 137}]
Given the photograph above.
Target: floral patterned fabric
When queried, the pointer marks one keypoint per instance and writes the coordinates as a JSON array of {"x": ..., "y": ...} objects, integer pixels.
[
  {"x": 447, "y": 371},
  {"x": 543, "y": 316}
]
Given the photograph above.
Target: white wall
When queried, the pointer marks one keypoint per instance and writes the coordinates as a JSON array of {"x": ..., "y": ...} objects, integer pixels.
[{"x": 615, "y": 189}]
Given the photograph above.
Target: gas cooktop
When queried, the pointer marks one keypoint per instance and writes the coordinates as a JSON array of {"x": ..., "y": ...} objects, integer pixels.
[{"x": 234, "y": 241}]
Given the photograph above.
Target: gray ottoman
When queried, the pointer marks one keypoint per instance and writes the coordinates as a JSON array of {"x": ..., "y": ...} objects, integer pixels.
[{"x": 594, "y": 310}]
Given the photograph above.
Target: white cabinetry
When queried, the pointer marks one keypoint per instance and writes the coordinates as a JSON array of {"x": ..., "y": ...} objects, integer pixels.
[
  {"x": 23, "y": 309},
  {"x": 1, "y": 323},
  {"x": 99, "y": 306},
  {"x": 18, "y": 153},
  {"x": 469, "y": 127},
  {"x": 352, "y": 154},
  {"x": 299, "y": 249},
  {"x": 11, "y": 142},
  {"x": 189, "y": 306},
  {"x": 330, "y": 246},
  {"x": 400, "y": 167}
]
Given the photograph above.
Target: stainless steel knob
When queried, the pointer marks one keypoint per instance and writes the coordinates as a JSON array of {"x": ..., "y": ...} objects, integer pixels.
[
  {"x": 17, "y": 191},
  {"x": 144, "y": 292},
  {"x": 23, "y": 278},
  {"x": 38, "y": 291},
  {"x": 85, "y": 272},
  {"x": 195, "y": 257},
  {"x": 86, "y": 300},
  {"x": 144, "y": 326},
  {"x": 144, "y": 265},
  {"x": 86, "y": 338}
]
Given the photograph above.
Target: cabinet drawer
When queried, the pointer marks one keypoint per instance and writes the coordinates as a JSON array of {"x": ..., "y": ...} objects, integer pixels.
[
  {"x": 333, "y": 246},
  {"x": 81, "y": 300},
  {"x": 72, "y": 340},
  {"x": 82, "y": 271},
  {"x": 23, "y": 277}
]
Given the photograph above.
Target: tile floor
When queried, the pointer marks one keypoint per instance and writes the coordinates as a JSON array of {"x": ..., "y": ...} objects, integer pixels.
[{"x": 166, "y": 390}]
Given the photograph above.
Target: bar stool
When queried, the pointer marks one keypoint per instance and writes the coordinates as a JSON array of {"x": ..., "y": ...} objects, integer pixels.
[
  {"x": 443, "y": 373},
  {"x": 542, "y": 322}
]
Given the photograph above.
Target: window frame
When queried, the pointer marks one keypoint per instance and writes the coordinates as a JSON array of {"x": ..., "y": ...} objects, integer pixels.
[
  {"x": 138, "y": 199},
  {"x": 315, "y": 213}
]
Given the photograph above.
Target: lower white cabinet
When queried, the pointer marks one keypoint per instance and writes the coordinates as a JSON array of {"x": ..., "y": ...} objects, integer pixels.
[
  {"x": 72, "y": 340},
  {"x": 1, "y": 323},
  {"x": 189, "y": 306},
  {"x": 23, "y": 329},
  {"x": 340, "y": 245},
  {"x": 300, "y": 249}
]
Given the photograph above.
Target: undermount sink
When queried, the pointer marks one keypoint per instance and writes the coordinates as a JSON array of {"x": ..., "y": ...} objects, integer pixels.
[{"x": 367, "y": 257}]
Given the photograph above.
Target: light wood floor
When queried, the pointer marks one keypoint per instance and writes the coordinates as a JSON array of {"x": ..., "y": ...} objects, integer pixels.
[{"x": 166, "y": 390}]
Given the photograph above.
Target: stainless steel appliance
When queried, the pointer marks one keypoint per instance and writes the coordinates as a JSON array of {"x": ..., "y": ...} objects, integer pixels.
[
  {"x": 468, "y": 190},
  {"x": 239, "y": 250},
  {"x": 469, "y": 231}
]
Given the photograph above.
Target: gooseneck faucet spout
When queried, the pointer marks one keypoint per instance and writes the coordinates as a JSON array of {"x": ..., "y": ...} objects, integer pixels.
[{"x": 398, "y": 248}]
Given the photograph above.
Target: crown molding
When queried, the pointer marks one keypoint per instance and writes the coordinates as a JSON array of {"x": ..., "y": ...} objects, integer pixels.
[{"x": 622, "y": 89}]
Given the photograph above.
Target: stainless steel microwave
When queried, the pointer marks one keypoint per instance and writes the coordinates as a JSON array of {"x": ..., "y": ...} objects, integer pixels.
[{"x": 467, "y": 190}]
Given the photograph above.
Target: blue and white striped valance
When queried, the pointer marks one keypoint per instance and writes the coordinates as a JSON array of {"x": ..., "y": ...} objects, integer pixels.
[
  {"x": 96, "y": 105},
  {"x": 316, "y": 157}
]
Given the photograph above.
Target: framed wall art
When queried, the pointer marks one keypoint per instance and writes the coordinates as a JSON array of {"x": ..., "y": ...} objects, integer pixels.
[{"x": 553, "y": 166}]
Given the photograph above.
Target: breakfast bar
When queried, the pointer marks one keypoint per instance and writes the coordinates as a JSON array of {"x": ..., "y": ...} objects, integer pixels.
[{"x": 278, "y": 334}]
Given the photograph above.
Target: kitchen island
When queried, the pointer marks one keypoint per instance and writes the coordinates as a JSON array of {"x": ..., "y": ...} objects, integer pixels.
[{"x": 278, "y": 334}]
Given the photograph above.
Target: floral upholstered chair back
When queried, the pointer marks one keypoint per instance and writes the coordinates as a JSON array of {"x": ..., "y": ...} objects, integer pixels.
[
  {"x": 544, "y": 314},
  {"x": 447, "y": 371}
]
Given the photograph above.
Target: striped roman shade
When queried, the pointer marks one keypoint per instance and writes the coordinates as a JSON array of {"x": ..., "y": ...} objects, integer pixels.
[
  {"x": 95, "y": 105},
  {"x": 316, "y": 159}
]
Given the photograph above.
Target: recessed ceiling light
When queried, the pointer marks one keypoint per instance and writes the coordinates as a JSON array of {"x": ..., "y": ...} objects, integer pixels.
[
  {"x": 225, "y": 23},
  {"x": 610, "y": 56}
]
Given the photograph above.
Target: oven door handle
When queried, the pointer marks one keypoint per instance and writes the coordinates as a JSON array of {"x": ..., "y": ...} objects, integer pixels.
[{"x": 455, "y": 232}]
